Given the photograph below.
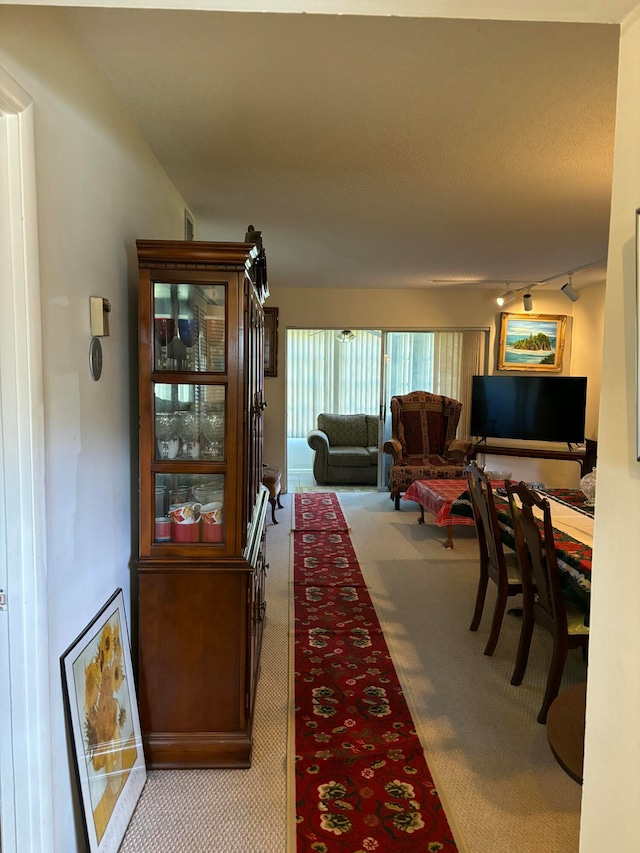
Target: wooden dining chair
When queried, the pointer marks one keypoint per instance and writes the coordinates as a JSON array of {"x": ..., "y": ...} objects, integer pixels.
[
  {"x": 542, "y": 598},
  {"x": 496, "y": 565}
]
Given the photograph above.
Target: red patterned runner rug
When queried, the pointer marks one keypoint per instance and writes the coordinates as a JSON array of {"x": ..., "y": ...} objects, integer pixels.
[
  {"x": 362, "y": 783},
  {"x": 318, "y": 511}
]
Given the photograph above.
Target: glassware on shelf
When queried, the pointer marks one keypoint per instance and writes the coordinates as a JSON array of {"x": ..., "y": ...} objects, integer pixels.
[
  {"x": 212, "y": 430},
  {"x": 208, "y": 491},
  {"x": 165, "y": 328},
  {"x": 188, "y": 331},
  {"x": 588, "y": 488},
  {"x": 189, "y": 432},
  {"x": 178, "y": 496},
  {"x": 167, "y": 439}
]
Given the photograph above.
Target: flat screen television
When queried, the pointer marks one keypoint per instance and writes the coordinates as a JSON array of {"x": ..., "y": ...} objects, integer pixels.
[{"x": 531, "y": 408}]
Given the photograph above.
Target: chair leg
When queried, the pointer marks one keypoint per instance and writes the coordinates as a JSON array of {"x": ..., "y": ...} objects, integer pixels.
[
  {"x": 496, "y": 624},
  {"x": 585, "y": 652},
  {"x": 524, "y": 647},
  {"x": 480, "y": 596},
  {"x": 272, "y": 501},
  {"x": 554, "y": 679},
  {"x": 397, "y": 501},
  {"x": 278, "y": 499}
]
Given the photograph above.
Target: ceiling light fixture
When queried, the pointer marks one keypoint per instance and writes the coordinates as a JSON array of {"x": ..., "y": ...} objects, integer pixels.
[
  {"x": 527, "y": 301},
  {"x": 345, "y": 335},
  {"x": 569, "y": 292},
  {"x": 506, "y": 298}
]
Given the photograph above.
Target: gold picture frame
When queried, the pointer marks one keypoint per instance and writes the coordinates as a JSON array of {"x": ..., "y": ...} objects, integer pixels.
[
  {"x": 532, "y": 342},
  {"x": 270, "y": 341},
  {"x": 103, "y": 723}
]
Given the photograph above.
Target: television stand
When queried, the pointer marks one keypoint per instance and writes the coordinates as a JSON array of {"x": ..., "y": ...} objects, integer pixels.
[{"x": 585, "y": 457}]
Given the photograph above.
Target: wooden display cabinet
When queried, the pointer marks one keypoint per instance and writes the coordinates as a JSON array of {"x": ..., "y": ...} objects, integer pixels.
[{"x": 201, "y": 566}]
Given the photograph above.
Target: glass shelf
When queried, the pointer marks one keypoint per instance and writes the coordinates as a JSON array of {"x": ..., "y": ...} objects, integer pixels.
[
  {"x": 189, "y": 422},
  {"x": 190, "y": 327}
]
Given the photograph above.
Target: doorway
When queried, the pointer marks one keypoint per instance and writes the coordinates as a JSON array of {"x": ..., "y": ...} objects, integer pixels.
[{"x": 25, "y": 762}]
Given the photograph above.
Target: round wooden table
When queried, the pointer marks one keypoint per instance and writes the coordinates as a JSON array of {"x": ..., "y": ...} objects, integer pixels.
[{"x": 565, "y": 729}]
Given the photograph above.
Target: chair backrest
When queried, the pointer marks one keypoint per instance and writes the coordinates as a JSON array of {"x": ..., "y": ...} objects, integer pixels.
[
  {"x": 486, "y": 519},
  {"x": 344, "y": 430},
  {"x": 424, "y": 423},
  {"x": 536, "y": 551}
]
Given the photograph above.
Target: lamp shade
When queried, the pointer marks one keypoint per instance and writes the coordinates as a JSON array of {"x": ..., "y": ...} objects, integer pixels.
[{"x": 346, "y": 335}]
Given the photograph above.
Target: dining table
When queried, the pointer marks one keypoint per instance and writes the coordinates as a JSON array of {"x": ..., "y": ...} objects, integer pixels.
[{"x": 572, "y": 518}]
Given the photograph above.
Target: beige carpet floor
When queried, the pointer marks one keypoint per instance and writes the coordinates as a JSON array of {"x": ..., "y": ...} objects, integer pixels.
[{"x": 502, "y": 789}]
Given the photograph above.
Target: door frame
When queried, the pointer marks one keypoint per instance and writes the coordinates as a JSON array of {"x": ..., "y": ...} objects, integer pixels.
[{"x": 26, "y": 789}]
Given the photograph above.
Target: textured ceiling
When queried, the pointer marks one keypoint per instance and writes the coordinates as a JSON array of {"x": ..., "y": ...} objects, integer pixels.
[{"x": 377, "y": 151}]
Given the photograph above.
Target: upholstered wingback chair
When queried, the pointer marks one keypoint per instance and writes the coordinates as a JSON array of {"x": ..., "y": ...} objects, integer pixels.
[{"x": 423, "y": 445}]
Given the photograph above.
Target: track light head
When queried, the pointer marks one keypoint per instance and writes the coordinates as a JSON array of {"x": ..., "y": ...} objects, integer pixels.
[
  {"x": 569, "y": 292},
  {"x": 506, "y": 298},
  {"x": 527, "y": 302}
]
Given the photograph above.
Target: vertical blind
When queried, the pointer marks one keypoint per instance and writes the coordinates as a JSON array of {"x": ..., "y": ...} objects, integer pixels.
[{"x": 325, "y": 374}]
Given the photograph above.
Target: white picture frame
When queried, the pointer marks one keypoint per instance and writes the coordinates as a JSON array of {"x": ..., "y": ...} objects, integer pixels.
[{"x": 103, "y": 723}]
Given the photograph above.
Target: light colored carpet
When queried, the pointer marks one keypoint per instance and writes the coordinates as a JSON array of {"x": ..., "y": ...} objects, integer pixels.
[
  {"x": 501, "y": 787},
  {"x": 233, "y": 811}
]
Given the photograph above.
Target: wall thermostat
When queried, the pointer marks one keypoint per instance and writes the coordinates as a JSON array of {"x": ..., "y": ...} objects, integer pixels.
[{"x": 95, "y": 358}]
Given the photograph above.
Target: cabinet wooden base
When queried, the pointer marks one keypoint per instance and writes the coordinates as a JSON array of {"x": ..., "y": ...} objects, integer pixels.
[{"x": 173, "y": 751}]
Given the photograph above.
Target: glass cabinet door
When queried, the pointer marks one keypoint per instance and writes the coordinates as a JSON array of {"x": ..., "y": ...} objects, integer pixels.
[
  {"x": 189, "y": 508},
  {"x": 189, "y": 422},
  {"x": 189, "y": 327}
]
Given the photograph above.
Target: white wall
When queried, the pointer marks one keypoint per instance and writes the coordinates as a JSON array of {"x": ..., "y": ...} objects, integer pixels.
[
  {"x": 611, "y": 793},
  {"x": 586, "y": 356},
  {"x": 419, "y": 309},
  {"x": 99, "y": 188}
]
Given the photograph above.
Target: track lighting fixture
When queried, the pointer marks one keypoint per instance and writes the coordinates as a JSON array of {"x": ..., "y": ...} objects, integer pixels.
[
  {"x": 569, "y": 292},
  {"x": 527, "y": 301},
  {"x": 506, "y": 298}
]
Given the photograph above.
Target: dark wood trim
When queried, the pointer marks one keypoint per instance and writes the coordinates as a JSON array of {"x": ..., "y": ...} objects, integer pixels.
[{"x": 585, "y": 457}]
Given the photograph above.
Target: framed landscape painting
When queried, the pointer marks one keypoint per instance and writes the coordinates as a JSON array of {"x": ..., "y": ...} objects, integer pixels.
[
  {"x": 102, "y": 714},
  {"x": 533, "y": 342}
]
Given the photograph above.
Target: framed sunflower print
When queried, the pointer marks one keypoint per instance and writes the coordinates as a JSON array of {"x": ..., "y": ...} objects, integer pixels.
[
  {"x": 103, "y": 722},
  {"x": 532, "y": 342}
]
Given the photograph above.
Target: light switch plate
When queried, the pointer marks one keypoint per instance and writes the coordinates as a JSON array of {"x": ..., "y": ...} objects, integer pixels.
[{"x": 100, "y": 308}]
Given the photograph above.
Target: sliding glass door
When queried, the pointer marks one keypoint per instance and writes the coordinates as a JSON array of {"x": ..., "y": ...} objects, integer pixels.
[
  {"x": 328, "y": 370},
  {"x": 408, "y": 366},
  {"x": 357, "y": 372}
]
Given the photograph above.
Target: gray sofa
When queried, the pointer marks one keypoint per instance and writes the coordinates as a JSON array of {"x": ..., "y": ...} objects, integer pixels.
[{"x": 346, "y": 449}]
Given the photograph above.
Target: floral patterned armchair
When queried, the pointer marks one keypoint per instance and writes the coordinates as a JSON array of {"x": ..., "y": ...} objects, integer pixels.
[{"x": 423, "y": 445}]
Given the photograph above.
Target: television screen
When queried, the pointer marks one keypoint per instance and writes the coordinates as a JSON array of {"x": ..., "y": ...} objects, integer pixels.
[{"x": 531, "y": 408}]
